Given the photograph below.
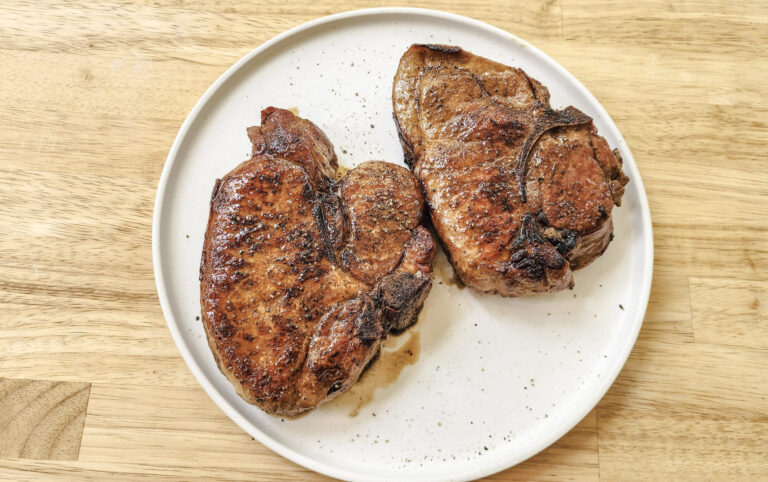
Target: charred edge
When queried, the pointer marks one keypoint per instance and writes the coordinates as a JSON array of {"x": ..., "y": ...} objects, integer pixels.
[
  {"x": 446, "y": 49},
  {"x": 564, "y": 242},
  {"x": 399, "y": 290},
  {"x": 533, "y": 266},
  {"x": 570, "y": 116},
  {"x": 406, "y": 145},
  {"x": 368, "y": 323},
  {"x": 400, "y": 297}
]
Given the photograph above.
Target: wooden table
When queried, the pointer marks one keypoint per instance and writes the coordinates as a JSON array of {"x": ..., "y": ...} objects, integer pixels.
[{"x": 92, "y": 96}]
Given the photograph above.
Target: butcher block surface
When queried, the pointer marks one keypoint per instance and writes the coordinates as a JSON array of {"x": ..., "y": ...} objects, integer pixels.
[{"x": 91, "y": 98}]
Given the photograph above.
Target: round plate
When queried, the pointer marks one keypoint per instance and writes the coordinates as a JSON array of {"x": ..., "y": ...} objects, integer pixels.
[{"x": 487, "y": 381}]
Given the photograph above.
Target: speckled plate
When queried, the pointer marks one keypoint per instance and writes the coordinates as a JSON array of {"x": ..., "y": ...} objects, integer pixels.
[{"x": 481, "y": 382}]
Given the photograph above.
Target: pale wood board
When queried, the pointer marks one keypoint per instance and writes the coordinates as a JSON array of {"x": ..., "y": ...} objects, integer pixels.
[
  {"x": 92, "y": 95},
  {"x": 40, "y": 419}
]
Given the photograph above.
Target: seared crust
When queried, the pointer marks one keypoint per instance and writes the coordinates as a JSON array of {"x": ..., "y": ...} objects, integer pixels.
[
  {"x": 289, "y": 321},
  {"x": 381, "y": 218},
  {"x": 519, "y": 194}
]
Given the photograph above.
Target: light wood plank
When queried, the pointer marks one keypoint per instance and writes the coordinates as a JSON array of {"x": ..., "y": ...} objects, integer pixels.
[
  {"x": 15, "y": 469},
  {"x": 669, "y": 445},
  {"x": 692, "y": 379},
  {"x": 730, "y": 312},
  {"x": 125, "y": 419},
  {"x": 686, "y": 411},
  {"x": 41, "y": 419}
]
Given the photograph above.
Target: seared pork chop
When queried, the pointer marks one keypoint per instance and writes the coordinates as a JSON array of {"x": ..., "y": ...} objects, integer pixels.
[
  {"x": 520, "y": 194},
  {"x": 302, "y": 276}
]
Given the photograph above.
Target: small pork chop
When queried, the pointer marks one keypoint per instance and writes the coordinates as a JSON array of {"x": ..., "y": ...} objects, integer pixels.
[
  {"x": 519, "y": 194},
  {"x": 302, "y": 276}
]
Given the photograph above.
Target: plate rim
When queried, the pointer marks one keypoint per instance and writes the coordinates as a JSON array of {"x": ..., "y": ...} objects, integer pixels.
[{"x": 481, "y": 470}]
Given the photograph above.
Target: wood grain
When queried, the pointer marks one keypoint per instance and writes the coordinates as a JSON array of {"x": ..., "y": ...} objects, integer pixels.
[
  {"x": 41, "y": 419},
  {"x": 734, "y": 313},
  {"x": 92, "y": 95}
]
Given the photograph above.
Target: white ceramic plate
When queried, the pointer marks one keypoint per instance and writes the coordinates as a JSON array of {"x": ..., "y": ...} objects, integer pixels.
[{"x": 497, "y": 380}]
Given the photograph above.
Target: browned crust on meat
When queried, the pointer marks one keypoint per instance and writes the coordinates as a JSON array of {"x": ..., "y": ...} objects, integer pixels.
[
  {"x": 297, "y": 270},
  {"x": 520, "y": 194}
]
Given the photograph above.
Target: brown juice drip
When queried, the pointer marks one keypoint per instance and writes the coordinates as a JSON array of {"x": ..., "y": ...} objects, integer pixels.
[{"x": 382, "y": 372}]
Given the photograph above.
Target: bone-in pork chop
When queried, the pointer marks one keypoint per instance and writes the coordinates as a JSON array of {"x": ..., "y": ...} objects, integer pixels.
[
  {"x": 302, "y": 276},
  {"x": 520, "y": 194}
]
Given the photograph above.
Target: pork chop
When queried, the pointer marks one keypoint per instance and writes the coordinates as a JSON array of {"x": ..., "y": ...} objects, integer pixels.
[
  {"x": 519, "y": 194},
  {"x": 302, "y": 276}
]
